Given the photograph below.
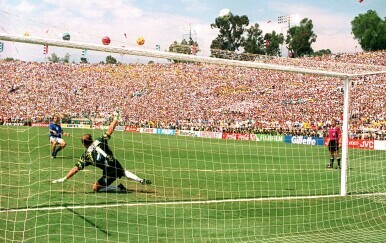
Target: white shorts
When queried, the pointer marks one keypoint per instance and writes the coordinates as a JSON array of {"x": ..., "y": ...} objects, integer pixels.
[{"x": 56, "y": 140}]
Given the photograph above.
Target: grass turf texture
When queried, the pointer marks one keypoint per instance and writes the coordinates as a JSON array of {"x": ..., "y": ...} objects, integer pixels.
[{"x": 203, "y": 190}]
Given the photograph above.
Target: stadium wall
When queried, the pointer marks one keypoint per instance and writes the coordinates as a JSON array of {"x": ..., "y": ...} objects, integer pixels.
[{"x": 367, "y": 144}]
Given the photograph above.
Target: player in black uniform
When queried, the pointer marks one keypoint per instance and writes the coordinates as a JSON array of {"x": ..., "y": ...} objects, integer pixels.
[{"x": 99, "y": 154}]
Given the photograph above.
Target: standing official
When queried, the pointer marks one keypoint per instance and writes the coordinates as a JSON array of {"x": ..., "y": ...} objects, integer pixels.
[{"x": 334, "y": 143}]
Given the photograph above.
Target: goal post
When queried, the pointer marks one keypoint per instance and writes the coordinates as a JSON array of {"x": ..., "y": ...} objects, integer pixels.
[{"x": 343, "y": 176}]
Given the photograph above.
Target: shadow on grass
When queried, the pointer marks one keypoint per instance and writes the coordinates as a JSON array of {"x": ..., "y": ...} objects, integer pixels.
[
  {"x": 88, "y": 221},
  {"x": 139, "y": 190}
]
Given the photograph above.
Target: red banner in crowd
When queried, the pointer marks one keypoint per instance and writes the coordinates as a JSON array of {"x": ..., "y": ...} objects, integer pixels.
[
  {"x": 235, "y": 136},
  {"x": 361, "y": 144},
  {"x": 358, "y": 143},
  {"x": 131, "y": 129}
]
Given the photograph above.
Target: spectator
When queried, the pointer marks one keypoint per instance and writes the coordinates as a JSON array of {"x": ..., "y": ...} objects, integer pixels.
[{"x": 198, "y": 96}]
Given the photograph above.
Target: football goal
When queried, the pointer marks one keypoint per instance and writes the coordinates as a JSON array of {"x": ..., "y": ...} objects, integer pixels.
[{"x": 235, "y": 149}]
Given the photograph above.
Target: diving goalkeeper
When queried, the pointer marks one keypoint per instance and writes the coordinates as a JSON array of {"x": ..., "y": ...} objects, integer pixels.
[{"x": 99, "y": 154}]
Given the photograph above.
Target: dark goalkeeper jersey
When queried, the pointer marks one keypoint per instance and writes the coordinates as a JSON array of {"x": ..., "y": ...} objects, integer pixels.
[{"x": 100, "y": 155}]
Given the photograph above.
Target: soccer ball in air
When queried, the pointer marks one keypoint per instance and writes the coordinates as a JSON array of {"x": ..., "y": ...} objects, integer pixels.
[
  {"x": 140, "y": 41},
  {"x": 106, "y": 40},
  {"x": 66, "y": 36},
  {"x": 225, "y": 14}
]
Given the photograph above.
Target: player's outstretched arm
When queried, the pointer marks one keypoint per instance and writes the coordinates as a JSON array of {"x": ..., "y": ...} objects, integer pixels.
[
  {"x": 113, "y": 124},
  {"x": 70, "y": 174}
]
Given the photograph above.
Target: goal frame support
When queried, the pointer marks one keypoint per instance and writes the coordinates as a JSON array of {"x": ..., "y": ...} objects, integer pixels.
[{"x": 343, "y": 175}]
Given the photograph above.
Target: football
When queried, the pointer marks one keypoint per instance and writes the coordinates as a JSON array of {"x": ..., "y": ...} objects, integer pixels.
[
  {"x": 66, "y": 36},
  {"x": 106, "y": 40},
  {"x": 140, "y": 41}
]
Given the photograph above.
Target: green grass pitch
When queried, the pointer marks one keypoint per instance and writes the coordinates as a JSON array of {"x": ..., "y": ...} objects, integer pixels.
[{"x": 204, "y": 190}]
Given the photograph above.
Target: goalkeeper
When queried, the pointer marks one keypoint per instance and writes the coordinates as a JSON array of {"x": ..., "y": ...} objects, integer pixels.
[{"x": 99, "y": 154}]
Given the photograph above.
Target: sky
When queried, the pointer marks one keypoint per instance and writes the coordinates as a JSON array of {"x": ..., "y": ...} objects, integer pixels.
[{"x": 162, "y": 22}]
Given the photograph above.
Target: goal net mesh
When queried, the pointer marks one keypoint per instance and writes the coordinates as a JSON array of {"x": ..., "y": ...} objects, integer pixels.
[{"x": 235, "y": 150}]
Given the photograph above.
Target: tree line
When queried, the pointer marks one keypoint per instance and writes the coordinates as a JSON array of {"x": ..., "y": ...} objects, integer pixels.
[{"x": 235, "y": 34}]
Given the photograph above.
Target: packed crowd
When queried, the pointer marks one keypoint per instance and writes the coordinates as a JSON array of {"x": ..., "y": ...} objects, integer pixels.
[{"x": 200, "y": 96}]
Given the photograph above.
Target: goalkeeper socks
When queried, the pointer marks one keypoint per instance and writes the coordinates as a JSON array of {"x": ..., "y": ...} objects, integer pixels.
[
  {"x": 130, "y": 175},
  {"x": 109, "y": 189},
  {"x": 331, "y": 162},
  {"x": 338, "y": 159}
]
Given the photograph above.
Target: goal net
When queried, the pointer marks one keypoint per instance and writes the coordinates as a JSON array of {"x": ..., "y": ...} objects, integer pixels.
[{"x": 235, "y": 149}]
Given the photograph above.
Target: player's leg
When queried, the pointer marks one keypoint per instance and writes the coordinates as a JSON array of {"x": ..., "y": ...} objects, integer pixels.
[
  {"x": 337, "y": 156},
  {"x": 331, "y": 152},
  {"x": 129, "y": 175},
  {"x": 62, "y": 145},
  {"x": 134, "y": 177},
  {"x": 331, "y": 165},
  {"x": 96, "y": 186},
  {"x": 53, "y": 146},
  {"x": 104, "y": 185}
]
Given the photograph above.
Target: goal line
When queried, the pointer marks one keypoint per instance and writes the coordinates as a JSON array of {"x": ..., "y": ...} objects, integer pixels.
[{"x": 147, "y": 204}]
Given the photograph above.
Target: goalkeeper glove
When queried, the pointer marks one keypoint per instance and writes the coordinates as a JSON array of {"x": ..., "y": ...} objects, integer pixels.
[
  {"x": 116, "y": 115},
  {"x": 59, "y": 180}
]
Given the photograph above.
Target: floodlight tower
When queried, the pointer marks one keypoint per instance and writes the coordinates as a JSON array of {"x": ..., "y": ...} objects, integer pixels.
[
  {"x": 285, "y": 20},
  {"x": 288, "y": 19},
  {"x": 190, "y": 35},
  {"x": 189, "y": 32}
]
